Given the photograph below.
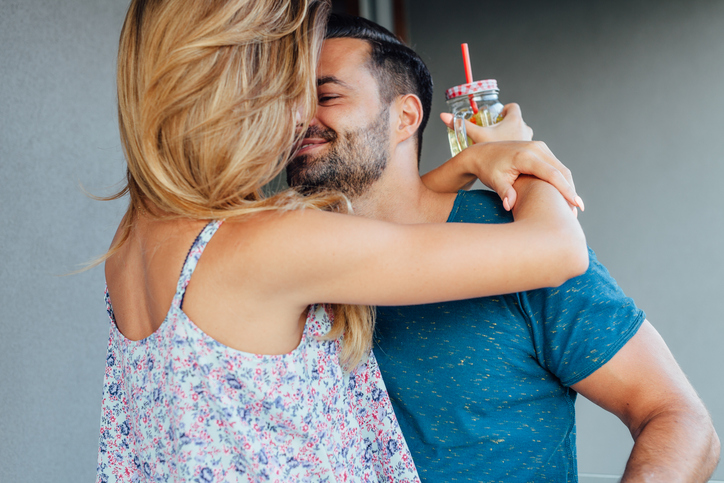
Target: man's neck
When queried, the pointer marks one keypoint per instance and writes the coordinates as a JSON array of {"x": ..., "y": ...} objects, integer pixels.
[{"x": 400, "y": 196}]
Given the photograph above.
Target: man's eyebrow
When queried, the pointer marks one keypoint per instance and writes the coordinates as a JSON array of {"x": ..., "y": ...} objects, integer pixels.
[{"x": 330, "y": 79}]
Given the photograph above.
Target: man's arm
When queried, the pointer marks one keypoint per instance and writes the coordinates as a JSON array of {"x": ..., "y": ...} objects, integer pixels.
[{"x": 643, "y": 385}]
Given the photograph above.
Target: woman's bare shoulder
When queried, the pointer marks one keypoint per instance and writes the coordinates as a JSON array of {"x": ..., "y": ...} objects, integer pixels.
[
  {"x": 276, "y": 235},
  {"x": 143, "y": 273}
]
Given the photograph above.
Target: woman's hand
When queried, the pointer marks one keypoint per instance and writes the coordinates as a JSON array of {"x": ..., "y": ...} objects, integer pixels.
[
  {"x": 501, "y": 154},
  {"x": 511, "y": 128},
  {"x": 498, "y": 164}
]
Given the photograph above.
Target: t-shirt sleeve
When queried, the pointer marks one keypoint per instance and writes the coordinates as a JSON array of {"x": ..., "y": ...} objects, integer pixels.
[{"x": 582, "y": 324}]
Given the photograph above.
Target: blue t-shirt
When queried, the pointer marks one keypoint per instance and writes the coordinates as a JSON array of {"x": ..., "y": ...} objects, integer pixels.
[{"x": 481, "y": 386}]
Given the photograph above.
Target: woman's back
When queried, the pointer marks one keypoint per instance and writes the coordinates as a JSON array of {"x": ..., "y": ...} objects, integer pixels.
[
  {"x": 233, "y": 298},
  {"x": 179, "y": 404}
]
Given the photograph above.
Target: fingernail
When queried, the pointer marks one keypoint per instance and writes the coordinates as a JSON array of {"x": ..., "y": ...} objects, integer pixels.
[
  {"x": 579, "y": 202},
  {"x": 506, "y": 204}
]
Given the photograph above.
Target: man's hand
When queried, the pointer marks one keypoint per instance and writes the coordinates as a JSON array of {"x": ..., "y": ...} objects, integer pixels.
[
  {"x": 673, "y": 432},
  {"x": 511, "y": 128}
]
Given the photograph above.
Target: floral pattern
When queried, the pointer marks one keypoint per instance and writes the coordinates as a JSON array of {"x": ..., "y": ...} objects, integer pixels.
[{"x": 180, "y": 406}]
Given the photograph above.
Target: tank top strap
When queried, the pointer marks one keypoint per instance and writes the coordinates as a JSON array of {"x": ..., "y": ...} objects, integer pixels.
[{"x": 197, "y": 248}]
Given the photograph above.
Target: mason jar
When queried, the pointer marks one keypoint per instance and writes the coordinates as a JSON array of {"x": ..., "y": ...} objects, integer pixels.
[{"x": 477, "y": 102}]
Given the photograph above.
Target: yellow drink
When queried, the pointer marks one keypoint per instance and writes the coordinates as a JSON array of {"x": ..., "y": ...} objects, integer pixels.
[
  {"x": 483, "y": 118},
  {"x": 462, "y": 100}
]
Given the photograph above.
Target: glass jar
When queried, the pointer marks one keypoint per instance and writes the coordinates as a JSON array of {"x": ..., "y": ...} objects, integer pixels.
[{"x": 477, "y": 102}]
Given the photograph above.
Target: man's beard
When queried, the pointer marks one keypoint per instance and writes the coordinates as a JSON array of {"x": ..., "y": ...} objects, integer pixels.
[{"x": 355, "y": 160}]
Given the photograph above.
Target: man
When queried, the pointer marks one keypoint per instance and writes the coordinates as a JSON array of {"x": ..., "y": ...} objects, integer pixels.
[{"x": 484, "y": 389}]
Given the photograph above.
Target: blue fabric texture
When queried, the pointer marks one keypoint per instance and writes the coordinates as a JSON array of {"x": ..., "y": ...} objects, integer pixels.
[{"x": 481, "y": 387}]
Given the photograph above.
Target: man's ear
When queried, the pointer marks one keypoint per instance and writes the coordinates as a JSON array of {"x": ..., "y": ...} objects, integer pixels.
[{"x": 409, "y": 116}]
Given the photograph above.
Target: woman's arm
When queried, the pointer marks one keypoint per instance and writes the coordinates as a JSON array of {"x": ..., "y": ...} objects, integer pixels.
[
  {"x": 267, "y": 269},
  {"x": 338, "y": 258},
  {"x": 498, "y": 167}
]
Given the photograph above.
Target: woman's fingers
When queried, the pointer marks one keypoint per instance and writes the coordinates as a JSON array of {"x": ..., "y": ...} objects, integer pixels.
[
  {"x": 511, "y": 128},
  {"x": 547, "y": 167},
  {"x": 509, "y": 198},
  {"x": 533, "y": 158}
]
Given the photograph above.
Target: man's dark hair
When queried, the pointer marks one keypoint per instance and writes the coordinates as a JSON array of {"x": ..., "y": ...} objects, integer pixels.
[{"x": 397, "y": 69}]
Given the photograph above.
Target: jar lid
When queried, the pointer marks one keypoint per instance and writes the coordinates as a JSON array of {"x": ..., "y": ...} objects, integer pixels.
[{"x": 472, "y": 88}]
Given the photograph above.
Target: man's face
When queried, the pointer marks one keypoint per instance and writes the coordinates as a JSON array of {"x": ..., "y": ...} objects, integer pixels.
[{"x": 347, "y": 144}]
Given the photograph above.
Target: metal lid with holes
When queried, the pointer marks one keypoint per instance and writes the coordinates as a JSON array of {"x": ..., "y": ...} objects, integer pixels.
[{"x": 472, "y": 88}]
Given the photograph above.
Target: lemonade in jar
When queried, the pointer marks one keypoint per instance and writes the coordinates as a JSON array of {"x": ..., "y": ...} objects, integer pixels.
[{"x": 477, "y": 102}]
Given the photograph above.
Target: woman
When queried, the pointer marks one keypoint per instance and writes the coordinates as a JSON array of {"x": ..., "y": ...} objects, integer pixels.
[{"x": 266, "y": 384}]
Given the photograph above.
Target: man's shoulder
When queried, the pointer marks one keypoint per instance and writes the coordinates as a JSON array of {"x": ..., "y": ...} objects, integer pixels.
[{"x": 479, "y": 206}]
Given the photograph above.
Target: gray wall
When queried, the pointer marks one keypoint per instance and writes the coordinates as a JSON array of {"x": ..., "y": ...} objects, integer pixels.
[
  {"x": 628, "y": 94},
  {"x": 624, "y": 93},
  {"x": 57, "y": 130}
]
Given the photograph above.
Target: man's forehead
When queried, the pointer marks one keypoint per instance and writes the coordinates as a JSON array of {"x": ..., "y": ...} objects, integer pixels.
[{"x": 343, "y": 57}]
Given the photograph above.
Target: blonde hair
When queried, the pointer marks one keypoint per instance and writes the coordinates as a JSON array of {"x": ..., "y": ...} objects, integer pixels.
[{"x": 208, "y": 99}]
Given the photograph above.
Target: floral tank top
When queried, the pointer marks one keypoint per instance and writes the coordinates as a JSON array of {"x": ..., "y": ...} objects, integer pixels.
[{"x": 178, "y": 406}]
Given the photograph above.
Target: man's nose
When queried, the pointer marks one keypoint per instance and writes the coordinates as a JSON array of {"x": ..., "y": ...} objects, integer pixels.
[{"x": 300, "y": 117}]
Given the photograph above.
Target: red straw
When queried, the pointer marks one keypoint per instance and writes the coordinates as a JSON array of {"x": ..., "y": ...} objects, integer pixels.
[
  {"x": 469, "y": 74},
  {"x": 466, "y": 60}
]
